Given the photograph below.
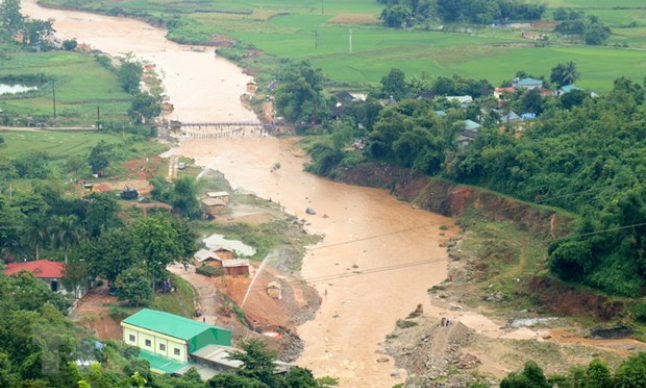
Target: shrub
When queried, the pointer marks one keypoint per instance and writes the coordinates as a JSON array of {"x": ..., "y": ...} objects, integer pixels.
[
  {"x": 209, "y": 271},
  {"x": 639, "y": 311}
]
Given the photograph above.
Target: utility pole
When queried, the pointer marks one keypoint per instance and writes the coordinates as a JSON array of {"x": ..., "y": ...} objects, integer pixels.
[
  {"x": 54, "y": 98},
  {"x": 98, "y": 118},
  {"x": 322, "y": 9},
  {"x": 316, "y": 39},
  {"x": 350, "y": 32}
]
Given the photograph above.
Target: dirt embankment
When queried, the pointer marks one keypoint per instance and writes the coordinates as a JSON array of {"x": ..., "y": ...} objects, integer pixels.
[
  {"x": 564, "y": 300},
  {"x": 450, "y": 199}
]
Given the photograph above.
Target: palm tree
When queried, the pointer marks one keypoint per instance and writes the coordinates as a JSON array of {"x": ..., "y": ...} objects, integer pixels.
[
  {"x": 570, "y": 74},
  {"x": 565, "y": 74},
  {"x": 67, "y": 231},
  {"x": 36, "y": 233}
]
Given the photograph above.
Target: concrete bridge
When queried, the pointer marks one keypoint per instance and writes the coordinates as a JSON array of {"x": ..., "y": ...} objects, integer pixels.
[{"x": 211, "y": 130}]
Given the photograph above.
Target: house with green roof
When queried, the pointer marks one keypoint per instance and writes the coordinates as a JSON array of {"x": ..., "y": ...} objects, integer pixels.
[{"x": 170, "y": 336}]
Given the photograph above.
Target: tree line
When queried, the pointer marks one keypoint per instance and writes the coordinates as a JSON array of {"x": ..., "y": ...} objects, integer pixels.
[
  {"x": 630, "y": 374},
  {"x": 402, "y": 13}
]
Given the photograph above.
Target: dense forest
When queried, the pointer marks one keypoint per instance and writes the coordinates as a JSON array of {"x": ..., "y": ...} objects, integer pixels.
[{"x": 583, "y": 154}]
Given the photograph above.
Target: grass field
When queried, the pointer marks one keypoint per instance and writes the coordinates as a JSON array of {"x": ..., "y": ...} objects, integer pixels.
[
  {"x": 320, "y": 31},
  {"x": 61, "y": 145},
  {"x": 81, "y": 86}
]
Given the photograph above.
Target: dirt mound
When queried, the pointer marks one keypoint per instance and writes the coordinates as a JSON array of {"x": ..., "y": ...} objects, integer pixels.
[
  {"x": 560, "y": 299},
  {"x": 428, "y": 350}
]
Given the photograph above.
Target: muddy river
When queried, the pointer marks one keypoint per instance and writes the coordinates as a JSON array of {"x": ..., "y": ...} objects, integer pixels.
[
  {"x": 201, "y": 85},
  {"x": 379, "y": 255}
]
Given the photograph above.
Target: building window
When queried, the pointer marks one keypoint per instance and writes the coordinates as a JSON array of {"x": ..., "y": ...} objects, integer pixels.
[
  {"x": 148, "y": 343},
  {"x": 176, "y": 351},
  {"x": 131, "y": 338},
  {"x": 162, "y": 347}
]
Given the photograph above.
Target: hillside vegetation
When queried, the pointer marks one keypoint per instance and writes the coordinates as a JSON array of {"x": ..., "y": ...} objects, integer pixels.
[{"x": 583, "y": 154}]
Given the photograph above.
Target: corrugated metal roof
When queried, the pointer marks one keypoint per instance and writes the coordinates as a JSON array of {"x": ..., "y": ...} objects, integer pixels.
[
  {"x": 204, "y": 254},
  {"x": 229, "y": 263},
  {"x": 219, "y": 355},
  {"x": 205, "y": 372},
  {"x": 161, "y": 364},
  {"x": 169, "y": 324},
  {"x": 216, "y": 194}
]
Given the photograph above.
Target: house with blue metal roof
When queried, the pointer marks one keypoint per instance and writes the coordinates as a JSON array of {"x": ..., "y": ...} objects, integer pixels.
[{"x": 527, "y": 83}]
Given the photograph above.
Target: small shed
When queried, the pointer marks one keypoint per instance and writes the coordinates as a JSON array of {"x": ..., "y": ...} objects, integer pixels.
[
  {"x": 214, "y": 206},
  {"x": 204, "y": 256},
  {"x": 236, "y": 267},
  {"x": 221, "y": 195}
]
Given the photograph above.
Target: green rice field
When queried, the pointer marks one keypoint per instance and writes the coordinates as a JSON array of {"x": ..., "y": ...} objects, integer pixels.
[
  {"x": 320, "y": 32},
  {"x": 81, "y": 86}
]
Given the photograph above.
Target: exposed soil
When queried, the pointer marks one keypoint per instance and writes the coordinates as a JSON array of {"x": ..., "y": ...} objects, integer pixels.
[
  {"x": 354, "y": 18},
  {"x": 563, "y": 300},
  {"x": 93, "y": 314}
]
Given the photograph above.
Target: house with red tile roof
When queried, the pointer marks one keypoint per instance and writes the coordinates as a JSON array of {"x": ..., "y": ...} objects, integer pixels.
[{"x": 51, "y": 272}]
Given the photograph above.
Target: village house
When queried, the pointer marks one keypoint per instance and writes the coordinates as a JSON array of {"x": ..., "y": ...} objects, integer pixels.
[
  {"x": 343, "y": 99},
  {"x": 214, "y": 206},
  {"x": 50, "y": 272},
  {"x": 236, "y": 267},
  {"x": 464, "y": 101},
  {"x": 210, "y": 258},
  {"x": 499, "y": 92},
  {"x": 221, "y": 257},
  {"x": 527, "y": 83},
  {"x": 468, "y": 134},
  {"x": 223, "y": 252},
  {"x": 567, "y": 89}
]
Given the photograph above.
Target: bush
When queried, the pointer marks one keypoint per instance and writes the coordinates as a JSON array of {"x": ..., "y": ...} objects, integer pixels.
[
  {"x": 209, "y": 271},
  {"x": 639, "y": 311}
]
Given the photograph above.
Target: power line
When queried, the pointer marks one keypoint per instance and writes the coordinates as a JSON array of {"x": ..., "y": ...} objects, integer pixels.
[
  {"x": 374, "y": 237},
  {"x": 326, "y": 278},
  {"x": 574, "y": 236}
]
